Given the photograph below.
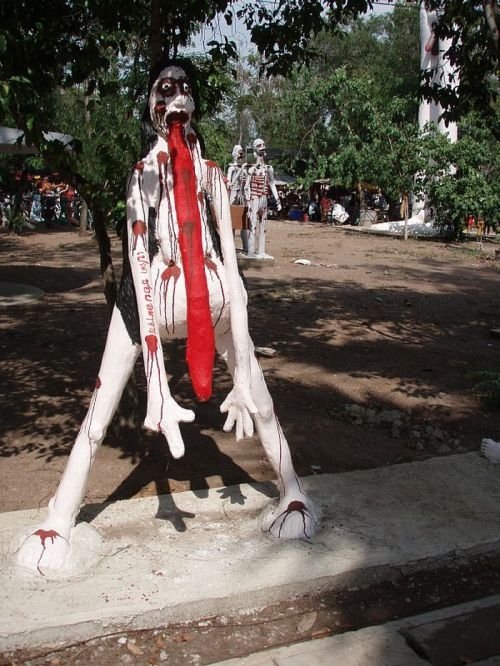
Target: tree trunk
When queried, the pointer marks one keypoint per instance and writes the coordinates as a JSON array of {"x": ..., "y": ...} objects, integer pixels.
[
  {"x": 104, "y": 244},
  {"x": 155, "y": 46}
]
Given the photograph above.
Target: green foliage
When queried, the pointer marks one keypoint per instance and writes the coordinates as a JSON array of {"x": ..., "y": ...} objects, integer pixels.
[
  {"x": 472, "y": 183},
  {"x": 473, "y": 28}
]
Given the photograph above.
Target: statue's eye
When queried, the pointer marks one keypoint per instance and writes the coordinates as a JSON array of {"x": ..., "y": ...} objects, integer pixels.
[
  {"x": 185, "y": 88},
  {"x": 167, "y": 88}
]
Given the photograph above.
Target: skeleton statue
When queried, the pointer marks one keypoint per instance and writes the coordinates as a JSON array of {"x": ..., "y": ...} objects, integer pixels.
[
  {"x": 236, "y": 177},
  {"x": 259, "y": 183},
  {"x": 180, "y": 280}
]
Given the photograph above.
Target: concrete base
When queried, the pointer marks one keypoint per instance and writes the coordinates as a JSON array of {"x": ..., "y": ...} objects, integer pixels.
[
  {"x": 198, "y": 554},
  {"x": 255, "y": 262}
]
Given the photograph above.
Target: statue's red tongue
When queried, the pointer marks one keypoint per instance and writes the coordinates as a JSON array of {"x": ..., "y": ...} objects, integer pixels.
[{"x": 200, "y": 333}]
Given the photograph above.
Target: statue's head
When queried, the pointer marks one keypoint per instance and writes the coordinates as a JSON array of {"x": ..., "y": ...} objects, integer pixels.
[
  {"x": 259, "y": 148},
  {"x": 170, "y": 96},
  {"x": 170, "y": 99},
  {"x": 238, "y": 153}
]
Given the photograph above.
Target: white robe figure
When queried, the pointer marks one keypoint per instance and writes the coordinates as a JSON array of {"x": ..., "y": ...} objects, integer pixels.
[
  {"x": 154, "y": 302},
  {"x": 236, "y": 178},
  {"x": 259, "y": 184}
]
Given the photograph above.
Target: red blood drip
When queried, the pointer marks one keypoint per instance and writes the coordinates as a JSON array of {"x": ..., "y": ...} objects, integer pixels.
[
  {"x": 200, "y": 197},
  {"x": 139, "y": 228},
  {"x": 212, "y": 165},
  {"x": 46, "y": 534},
  {"x": 98, "y": 383},
  {"x": 160, "y": 107},
  {"x": 152, "y": 343},
  {"x": 172, "y": 271},
  {"x": 162, "y": 157},
  {"x": 200, "y": 334},
  {"x": 191, "y": 137},
  {"x": 139, "y": 166},
  {"x": 296, "y": 505}
]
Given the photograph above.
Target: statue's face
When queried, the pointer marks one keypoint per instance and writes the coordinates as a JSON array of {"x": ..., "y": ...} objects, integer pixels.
[
  {"x": 170, "y": 99},
  {"x": 259, "y": 147},
  {"x": 238, "y": 154}
]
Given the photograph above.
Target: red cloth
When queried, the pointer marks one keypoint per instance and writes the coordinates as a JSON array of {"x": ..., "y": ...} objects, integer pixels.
[{"x": 200, "y": 350}]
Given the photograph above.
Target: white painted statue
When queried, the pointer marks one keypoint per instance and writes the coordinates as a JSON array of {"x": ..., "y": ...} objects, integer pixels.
[
  {"x": 433, "y": 59},
  {"x": 259, "y": 183},
  {"x": 236, "y": 177},
  {"x": 180, "y": 280}
]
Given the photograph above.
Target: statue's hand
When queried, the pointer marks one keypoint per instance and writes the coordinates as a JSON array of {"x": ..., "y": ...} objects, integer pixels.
[
  {"x": 278, "y": 207},
  {"x": 167, "y": 422},
  {"x": 239, "y": 407}
]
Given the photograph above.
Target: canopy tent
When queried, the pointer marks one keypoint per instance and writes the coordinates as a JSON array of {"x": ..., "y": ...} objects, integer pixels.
[
  {"x": 281, "y": 179},
  {"x": 12, "y": 141}
]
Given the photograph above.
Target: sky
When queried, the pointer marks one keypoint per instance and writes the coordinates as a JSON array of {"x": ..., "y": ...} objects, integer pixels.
[{"x": 238, "y": 33}]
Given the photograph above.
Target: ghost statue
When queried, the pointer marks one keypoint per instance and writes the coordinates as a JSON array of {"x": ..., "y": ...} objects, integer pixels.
[
  {"x": 236, "y": 176},
  {"x": 259, "y": 184},
  {"x": 180, "y": 280}
]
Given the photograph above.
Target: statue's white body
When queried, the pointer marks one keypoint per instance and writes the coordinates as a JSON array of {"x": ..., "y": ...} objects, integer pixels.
[{"x": 158, "y": 282}]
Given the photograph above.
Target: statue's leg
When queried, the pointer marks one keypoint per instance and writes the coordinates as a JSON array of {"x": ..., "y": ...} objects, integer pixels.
[
  {"x": 296, "y": 516},
  {"x": 48, "y": 547},
  {"x": 252, "y": 222},
  {"x": 244, "y": 240},
  {"x": 262, "y": 227}
]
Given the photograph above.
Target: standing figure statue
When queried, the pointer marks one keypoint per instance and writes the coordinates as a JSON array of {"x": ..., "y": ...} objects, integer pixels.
[
  {"x": 259, "y": 184},
  {"x": 180, "y": 280},
  {"x": 433, "y": 59},
  {"x": 236, "y": 177}
]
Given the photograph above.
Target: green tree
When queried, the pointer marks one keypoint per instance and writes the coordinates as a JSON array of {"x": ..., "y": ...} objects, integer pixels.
[{"x": 471, "y": 185}]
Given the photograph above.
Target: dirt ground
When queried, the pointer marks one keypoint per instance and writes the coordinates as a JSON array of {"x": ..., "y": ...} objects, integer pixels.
[{"x": 374, "y": 343}]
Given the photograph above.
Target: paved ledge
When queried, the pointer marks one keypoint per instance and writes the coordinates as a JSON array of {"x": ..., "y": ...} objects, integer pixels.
[
  {"x": 383, "y": 645},
  {"x": 198, "y": 554}
]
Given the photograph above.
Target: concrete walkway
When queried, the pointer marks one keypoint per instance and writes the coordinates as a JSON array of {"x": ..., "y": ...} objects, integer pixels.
[
  {"x": 152, "y": 561},
  {"x": 384, "y": 645}
]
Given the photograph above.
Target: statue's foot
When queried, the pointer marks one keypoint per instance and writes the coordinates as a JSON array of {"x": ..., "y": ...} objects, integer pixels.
[
  {"x": 45, "y": 549},
  {"x": 295, "y": 517},
  {"x": 491, "y": 450},
  {"x": 263, "y": 255}
]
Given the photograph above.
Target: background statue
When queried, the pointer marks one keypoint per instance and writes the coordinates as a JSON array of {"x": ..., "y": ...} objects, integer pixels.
[
  {"x": 259, "y": 184},
  {"x": 180, "y": 280}
]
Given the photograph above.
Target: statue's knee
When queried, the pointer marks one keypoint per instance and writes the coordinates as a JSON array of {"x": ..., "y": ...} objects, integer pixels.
[
  {"x": 96, "y": 435},
  {"x": 266, "y": 409}
]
